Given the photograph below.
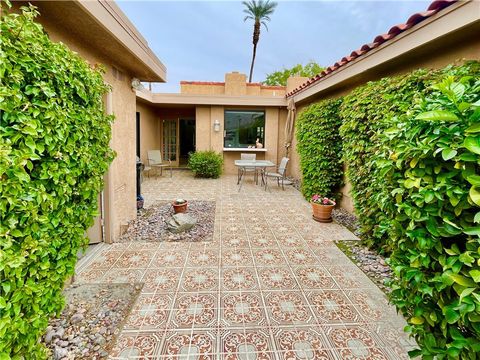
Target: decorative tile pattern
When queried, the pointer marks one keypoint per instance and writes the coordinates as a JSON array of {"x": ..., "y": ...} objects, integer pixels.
[
  {"x": 249, "y": 344},
  {"x": 355, "y": 343},
  {"x": 242, "y": 309},
  {"x": 269, "y": 257},
  {"x": 199, "y": 345},
  {"x": 165, "y": 280},
  {"x": 200, "y": 279},
  {"x": 199, "y": 310},
  {"x": 314, "y": 278},
  {"x": 302, "y": 344},
  {"x": 288, "y": 308},
  {"x": 236, "y": 279},
  {"x": 277, "y": 278},
  {"x": 271, "y": 284}
]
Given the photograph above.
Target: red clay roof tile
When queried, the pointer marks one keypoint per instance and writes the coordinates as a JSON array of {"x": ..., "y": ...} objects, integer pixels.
[{"x": 394, "y": 31}]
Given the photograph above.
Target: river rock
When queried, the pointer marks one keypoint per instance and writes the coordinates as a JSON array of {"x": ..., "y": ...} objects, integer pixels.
[{"x": 181, "y": 222}]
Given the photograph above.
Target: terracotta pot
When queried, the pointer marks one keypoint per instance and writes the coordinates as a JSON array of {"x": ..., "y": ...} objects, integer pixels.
[
  {"x": 179, "y": 208},
  {"x": 322, "y": 213}
]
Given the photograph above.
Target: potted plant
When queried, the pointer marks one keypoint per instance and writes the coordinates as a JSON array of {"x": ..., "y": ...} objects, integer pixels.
[
  {"x": 322, "y": 208},
  {"x": 180, "y": 206}
]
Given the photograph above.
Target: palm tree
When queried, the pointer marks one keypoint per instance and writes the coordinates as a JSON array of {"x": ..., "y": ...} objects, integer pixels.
[{"x": 259, "y": 12}]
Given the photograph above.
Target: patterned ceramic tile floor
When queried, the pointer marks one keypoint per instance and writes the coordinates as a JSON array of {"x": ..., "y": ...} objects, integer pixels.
[{"x": 270, "y": 285}]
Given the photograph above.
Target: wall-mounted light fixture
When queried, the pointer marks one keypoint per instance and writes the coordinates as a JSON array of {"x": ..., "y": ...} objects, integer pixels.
[{"x": 216, "y": 126}]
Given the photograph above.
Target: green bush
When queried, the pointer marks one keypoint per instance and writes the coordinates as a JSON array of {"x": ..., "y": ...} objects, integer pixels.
[
  {"x": 434, "y": 168},
  {"x": 320, "y": 148},
  {"x": 54, "y": 149},
  {"x": 206, "y": 164},
  {"x": 411, "y": 145},
  {"x": 366, "y": 112}
]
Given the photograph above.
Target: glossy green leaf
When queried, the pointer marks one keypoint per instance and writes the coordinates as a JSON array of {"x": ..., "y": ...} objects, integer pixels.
[
  {"x": 472, "y": 144},
  {"x": 437, "y": 115}
]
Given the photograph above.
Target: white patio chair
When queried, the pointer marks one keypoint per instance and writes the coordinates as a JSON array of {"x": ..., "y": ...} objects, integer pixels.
[
  {"x": 250, "y": 157},
  {"x": 155, "y": 161},
  {"x": 281, "y": 171}
]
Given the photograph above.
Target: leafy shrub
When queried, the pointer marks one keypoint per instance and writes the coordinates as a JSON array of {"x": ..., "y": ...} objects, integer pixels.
[
  {"x": 206, "y": 164},
  {"x": 366, "y": 112},
  {"x": 320, "y": 149},
  {"x": 411, "y": 145},
  {"x": 54, "y": 149},
  {"x": 435, "y": 170}
]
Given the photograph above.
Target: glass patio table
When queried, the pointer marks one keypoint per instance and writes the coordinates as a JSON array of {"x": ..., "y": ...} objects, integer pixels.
[{"x": 261, "y": 165}]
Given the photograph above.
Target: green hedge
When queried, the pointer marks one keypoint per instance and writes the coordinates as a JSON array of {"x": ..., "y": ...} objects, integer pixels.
[
  {"x": 54, "y": 149},
  {"x": 434, "y": 169},
  {"x": 206, "y": 164},
  {"x": 411, "y": 146},
  {"x": 320, "y": 149},
  {"x": 366, "y": 112}
]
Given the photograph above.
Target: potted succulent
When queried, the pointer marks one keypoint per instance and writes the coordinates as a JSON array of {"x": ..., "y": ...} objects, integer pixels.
[
  {"x": 322, "y": 208},
  {"x": 180, "y": 206}
]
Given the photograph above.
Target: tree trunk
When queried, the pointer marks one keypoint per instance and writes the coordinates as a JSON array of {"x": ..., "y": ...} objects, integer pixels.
[{"x": 256, "y": 37}]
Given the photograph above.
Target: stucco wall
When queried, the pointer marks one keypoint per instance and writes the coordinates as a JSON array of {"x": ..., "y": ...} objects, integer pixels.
[
  {"x": 149, "y": 130},
  {"x": 455, "y": 51},
  {"x": 208, "y": 139},
  {"x": 122, "y": 170}
]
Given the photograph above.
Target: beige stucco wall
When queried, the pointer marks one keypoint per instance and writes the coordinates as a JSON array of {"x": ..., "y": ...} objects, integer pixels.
[
  {"x": 122, "y": 170},
  {"x": 455, "y": 51},
  {"x": 208, "y": 139},
  {"x": 149, "y": 130}
]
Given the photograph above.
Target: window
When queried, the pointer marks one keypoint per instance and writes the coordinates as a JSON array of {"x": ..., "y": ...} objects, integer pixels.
[{"x": 243, "y": 128}]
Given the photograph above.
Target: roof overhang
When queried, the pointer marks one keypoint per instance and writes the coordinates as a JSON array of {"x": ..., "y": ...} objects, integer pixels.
[
  {"x": 104, "y": 27},
  {"x": 159, "y": 99},
  {"x": 459, "y": 18}
]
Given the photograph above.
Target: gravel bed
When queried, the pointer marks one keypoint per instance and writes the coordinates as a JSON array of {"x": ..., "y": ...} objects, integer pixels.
[
  {"x": 343, "y": 217},
  {"x": 370, "y": 262},
  {"x": 151, "y": 223},
  {"x": 91, "y": 320}
]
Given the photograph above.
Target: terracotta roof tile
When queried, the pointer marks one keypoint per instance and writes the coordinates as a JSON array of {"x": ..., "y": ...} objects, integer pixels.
[{"x": 394, "y": 31}]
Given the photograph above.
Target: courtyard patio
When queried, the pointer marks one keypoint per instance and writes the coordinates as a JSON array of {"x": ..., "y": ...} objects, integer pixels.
[{"x": 271, "y": 284}]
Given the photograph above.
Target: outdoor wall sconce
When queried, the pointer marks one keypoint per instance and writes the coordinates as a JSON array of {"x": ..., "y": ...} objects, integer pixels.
[{"x": 216, "y": 126}]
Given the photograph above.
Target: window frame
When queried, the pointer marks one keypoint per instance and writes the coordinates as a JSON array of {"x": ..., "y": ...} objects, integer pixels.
[{"x": 262, "y": 137}]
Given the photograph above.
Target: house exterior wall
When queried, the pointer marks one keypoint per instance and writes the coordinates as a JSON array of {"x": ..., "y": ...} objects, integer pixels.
[
  {"x": 122, "y": 170},
  {"x": 453, "y": 51},
  {"x": 149, "y": 130}
]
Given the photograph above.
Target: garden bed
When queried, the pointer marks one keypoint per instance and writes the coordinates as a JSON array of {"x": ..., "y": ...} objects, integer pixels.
[
  {"x": 151, "y": 223},
  {"x": 91, "y": 320}
]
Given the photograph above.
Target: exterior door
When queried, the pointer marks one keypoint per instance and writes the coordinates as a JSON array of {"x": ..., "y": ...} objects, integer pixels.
[{"x": 170, "y": 141}]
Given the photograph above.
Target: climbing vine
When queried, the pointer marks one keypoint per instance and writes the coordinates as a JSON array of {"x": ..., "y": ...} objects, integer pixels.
[{"x": 54, "y": 146}]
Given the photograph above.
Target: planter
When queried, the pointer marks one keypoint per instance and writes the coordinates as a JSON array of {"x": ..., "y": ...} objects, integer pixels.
[
  {"x": 180, "y": 208},
  {"x": 322, "y": 213}
]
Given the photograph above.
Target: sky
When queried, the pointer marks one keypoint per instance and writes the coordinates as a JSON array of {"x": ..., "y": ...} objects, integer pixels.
[{"x": 203, "y": 40}]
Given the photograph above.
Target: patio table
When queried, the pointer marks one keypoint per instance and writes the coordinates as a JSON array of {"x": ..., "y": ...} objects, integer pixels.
[{"x": 257, "y": 164}]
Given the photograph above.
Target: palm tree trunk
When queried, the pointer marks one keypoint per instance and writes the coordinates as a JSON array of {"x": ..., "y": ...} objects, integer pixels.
[
  {"x": 253, "y": 62},
  {"x": 256, "y": 37}
]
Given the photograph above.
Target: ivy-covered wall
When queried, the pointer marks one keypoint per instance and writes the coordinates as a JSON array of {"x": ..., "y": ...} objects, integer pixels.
[
  {"x": 320, "y": 149},
  {"x": 411, "y": 146},
  {"x": 54, "y": 145}
]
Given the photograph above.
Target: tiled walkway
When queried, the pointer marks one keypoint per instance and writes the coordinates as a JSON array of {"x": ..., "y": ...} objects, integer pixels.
[{"x": 271, "y": 284}]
